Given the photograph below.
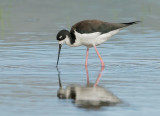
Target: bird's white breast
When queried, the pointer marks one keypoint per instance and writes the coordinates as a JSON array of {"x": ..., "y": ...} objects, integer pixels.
[
  {"x": 87, "y": 39},
  {"x": 91, "y": 39}
]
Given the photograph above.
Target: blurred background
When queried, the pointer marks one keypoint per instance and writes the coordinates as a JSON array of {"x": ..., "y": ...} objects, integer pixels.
[{"x": 28, "y": 54}]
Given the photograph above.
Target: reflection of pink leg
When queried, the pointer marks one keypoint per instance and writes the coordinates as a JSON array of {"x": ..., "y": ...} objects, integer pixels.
[
  {"x": 102, "y": 63},
  {"x": 87, "y": 57},
  {"x": 87, "y": 74},
  {"x": 99, "y": 76}
]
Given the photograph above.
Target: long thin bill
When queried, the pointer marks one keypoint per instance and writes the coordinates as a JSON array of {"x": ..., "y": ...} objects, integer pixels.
[{"x": 59, "y": 53}]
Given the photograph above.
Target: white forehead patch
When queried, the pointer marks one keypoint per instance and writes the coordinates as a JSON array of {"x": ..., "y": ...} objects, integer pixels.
[{"x": 60, "y": 36}]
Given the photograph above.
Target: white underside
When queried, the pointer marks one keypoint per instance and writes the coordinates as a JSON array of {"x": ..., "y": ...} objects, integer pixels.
[{"x": 89, "y": 40}]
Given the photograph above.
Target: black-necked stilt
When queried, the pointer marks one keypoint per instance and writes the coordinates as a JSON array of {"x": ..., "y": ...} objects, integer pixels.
[{"x": 89, "y": 33}]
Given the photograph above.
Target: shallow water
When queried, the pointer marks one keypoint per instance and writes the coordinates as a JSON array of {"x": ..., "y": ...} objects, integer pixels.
[{"x": 28, "y": 54}]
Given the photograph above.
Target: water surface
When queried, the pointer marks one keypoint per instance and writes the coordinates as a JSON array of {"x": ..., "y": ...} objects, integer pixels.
[{"x": 28, "y": 54}]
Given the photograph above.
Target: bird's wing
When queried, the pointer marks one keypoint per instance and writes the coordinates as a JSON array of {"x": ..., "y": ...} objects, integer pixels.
[{"x": 91, "y": 26}]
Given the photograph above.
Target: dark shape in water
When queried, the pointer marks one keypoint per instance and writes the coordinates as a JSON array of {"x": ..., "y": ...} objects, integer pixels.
[{"x": 89, "y": 96}]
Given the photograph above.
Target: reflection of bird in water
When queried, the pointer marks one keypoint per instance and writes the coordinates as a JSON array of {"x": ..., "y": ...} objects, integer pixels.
[{"x": 88, "y": 96}]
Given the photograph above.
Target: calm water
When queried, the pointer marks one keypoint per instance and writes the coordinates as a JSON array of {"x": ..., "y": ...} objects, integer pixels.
[{"x": 28, "y": 54}]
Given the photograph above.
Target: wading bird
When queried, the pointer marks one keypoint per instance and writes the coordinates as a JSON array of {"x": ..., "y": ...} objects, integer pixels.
[{"x": 90, "y": 33}]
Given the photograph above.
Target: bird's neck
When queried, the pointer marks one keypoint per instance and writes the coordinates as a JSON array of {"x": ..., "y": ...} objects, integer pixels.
[
  {"x": 71, "y": 40},
  {"x": 68, "y": 40}
]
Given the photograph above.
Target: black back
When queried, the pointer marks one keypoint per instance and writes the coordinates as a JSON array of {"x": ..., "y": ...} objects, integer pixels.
[{"x": 90, "y": 26}]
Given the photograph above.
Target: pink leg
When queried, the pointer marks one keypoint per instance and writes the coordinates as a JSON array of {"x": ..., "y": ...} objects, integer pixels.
[
  {"x": 87, "y": 57},
  {"x": 87, "y": 74},
  {"x": 102, "y": 63},
  {"x": 99, "y": 76}
]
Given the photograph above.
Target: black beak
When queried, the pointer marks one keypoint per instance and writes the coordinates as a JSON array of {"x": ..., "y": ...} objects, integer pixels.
[{"x": 60, "y": 45}]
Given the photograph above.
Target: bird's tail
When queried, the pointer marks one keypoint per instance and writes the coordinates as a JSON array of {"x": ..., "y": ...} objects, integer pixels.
[{"x": 131, "y": 23}]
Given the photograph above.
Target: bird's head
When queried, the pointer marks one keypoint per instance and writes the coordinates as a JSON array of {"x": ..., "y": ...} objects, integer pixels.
[{"x": 61, "y": 37}]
